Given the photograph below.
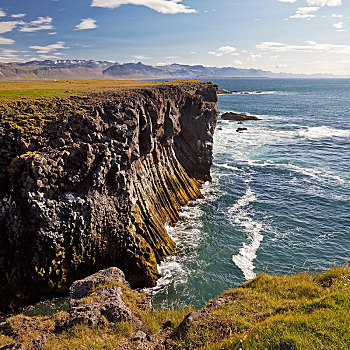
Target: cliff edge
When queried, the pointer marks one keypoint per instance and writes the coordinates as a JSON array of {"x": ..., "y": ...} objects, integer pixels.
[{"x": 88, "y": 181}]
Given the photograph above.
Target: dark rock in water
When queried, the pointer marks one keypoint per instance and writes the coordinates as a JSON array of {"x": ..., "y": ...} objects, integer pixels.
[
  {"x": 224, "y": 92},
  {"x": 240, "y": 123},
  {"x": 241, "y": 129},
  {"x": 92, "y": 184},
  {"x": 238, "y": 117}
]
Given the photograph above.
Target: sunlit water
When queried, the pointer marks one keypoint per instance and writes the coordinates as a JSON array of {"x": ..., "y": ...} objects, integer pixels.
[{"x": 280, "y": 197}]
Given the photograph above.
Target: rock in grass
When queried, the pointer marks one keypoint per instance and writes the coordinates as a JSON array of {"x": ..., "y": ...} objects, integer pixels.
[{"x": 105, "y": 296}]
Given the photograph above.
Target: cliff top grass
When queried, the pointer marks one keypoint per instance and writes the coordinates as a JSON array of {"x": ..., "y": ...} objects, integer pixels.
[
  {"x": 29, "y": 106},
  {"x": 301, "y": 312},
  {"x": 67, "y": 88}
]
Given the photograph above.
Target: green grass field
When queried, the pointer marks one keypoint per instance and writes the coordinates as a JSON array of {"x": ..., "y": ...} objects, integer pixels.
[{"x": 66, "y": 88}]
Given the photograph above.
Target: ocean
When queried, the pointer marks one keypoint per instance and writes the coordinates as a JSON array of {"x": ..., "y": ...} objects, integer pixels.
[{"x": 279, "y": 201}]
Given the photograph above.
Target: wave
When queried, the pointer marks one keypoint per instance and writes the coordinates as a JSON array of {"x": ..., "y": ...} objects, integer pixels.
[
  {"x": 226, "y": 166},
  {"x": 253, "y": 92},
  {"x": 321, "y": 132},
  {"x": 239, "y": 215},
  {"x": 319, "y": 175}
]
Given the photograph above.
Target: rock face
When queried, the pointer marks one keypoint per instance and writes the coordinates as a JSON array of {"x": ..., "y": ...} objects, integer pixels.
[
  {"x": 238, "y": 117},
  {"x": 92, "y": 183}
]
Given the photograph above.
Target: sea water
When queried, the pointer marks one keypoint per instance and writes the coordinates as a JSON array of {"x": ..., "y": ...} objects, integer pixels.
[{"x": 280, "y": 197}]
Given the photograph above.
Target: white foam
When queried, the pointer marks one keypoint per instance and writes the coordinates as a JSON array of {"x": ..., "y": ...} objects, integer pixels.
[
  {"x": 321, "y": 132},
  {"x": 253, "y": 92},
  {"x": 188, "y": 235},
  {"x": 239, "y": 215},
  {"x": 317, "y": 174},
  {"x": 226, "y": 166}
]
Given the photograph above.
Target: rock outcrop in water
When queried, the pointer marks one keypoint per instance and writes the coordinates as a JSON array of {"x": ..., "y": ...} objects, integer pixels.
[
  {"x": 238, "y": 117},
  {"x": 89, "y": 182}
]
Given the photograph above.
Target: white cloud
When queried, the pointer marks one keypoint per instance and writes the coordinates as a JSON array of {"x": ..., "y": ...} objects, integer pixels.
[
  {"x": 282, "y": 65},
  {"x": 49, "y": 48},
  {"x": 223, "y": 50},
  {"x": 6, "y": 41},
  {"x": 287, "y": 0},
  {"x": 325, "y": 2},
  {"x": 141, "y": 57},
  {"x": 338, "y": 25},
  {"x": 252, "y": 57},
  {"x": 2, "y": 13},
  {"x": 237, "y": 62},
  {"x": 172, "y": 57},
  {"x": 52, "y": 33},
  {"x": 8, "y": 54},
  {"x": 18, "y": 15},
  {"x": 8, "y": 26},
  {"x": 42, "y": 23},
  {"x": 162, "y": 6},
  {"x": 336, "y": 16},
  {"x": 87, "y": 23},
  {"x": 50, "y": 57},
  {"x": 305, "y": 12},
  {"x": 310, "y": 46}
]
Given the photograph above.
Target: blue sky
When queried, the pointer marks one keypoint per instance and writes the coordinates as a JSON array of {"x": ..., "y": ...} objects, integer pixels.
[{"x": 299, "y": 36}]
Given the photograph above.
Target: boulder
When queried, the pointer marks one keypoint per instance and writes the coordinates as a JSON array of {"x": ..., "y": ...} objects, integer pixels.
[{"x": 100, "y": 297}]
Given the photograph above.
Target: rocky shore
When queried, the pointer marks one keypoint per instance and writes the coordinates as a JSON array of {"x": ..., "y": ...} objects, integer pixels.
[{"x": 88, "y": 182}]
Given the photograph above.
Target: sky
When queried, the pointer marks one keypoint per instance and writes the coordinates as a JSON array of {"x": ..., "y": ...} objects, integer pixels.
[{"x": 296, "y": 36}]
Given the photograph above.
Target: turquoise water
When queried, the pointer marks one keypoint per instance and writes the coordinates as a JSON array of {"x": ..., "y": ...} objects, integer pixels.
[{"x": 280, "y": 197}]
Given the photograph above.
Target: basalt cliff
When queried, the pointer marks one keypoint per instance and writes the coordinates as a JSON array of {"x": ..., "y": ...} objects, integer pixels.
[{"x": 89, "y": 181}]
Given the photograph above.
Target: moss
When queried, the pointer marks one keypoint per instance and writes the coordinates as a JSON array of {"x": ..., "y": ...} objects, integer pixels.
[
  {"x": 4, "y": 340},
  {"x": 89, "y": 299}
]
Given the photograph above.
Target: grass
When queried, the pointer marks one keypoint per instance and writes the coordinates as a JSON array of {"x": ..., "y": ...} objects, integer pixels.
[
  {"x": 68, "y": 88},
  {"x": 300, "y": 312},
  {"x": 84, "y": 337},
  {"x": 153, "y": 320}
]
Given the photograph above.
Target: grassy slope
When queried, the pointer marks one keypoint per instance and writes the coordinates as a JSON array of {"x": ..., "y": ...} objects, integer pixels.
[
  {"x": 301, "y": 311},
  {"x": 290, "y": 312}
]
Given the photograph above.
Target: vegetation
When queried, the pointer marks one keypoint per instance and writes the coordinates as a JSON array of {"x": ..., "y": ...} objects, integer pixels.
[
  {"x": 68, "y": 88},
  {"x": 302, "y": 311}
]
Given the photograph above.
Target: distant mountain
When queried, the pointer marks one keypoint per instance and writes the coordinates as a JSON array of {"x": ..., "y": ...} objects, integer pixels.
[
  {"x": 82, "y": 69},
  {"x": 61, "y": 69}
]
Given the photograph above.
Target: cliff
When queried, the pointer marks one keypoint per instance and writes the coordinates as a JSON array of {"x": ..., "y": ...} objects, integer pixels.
[{"x": 88, "y": 181}]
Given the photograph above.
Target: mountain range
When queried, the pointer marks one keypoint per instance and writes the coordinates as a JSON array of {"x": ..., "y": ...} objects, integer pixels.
[{"x": 90, "y": 69}]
